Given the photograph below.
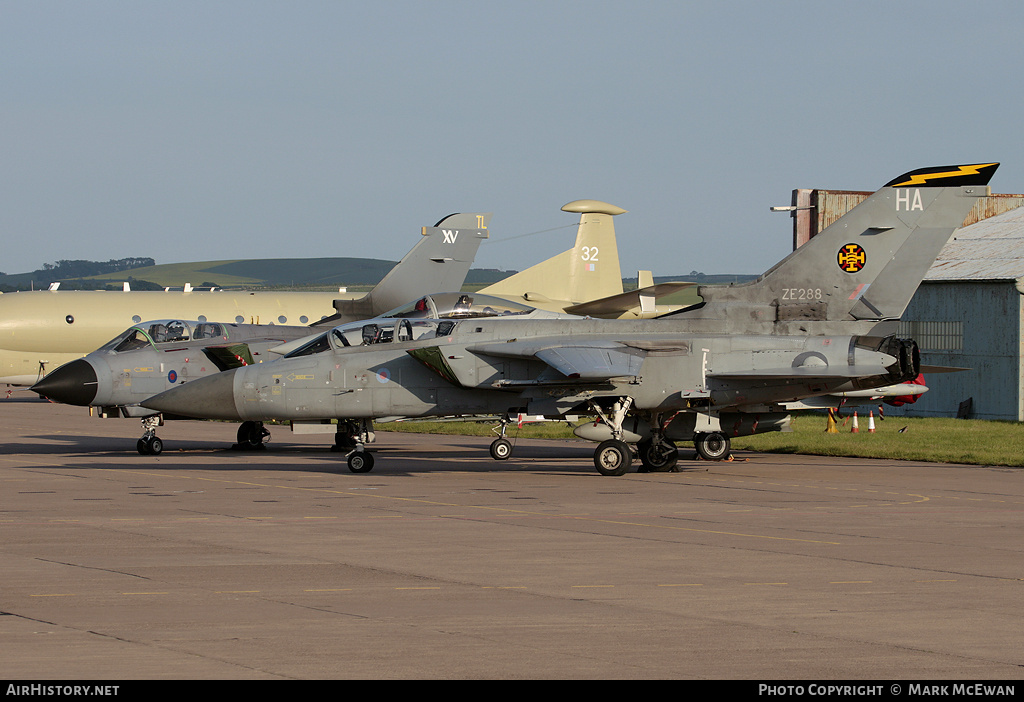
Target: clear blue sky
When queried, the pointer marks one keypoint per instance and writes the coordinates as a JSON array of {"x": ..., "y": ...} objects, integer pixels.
[{"x": 250, "y": 129}]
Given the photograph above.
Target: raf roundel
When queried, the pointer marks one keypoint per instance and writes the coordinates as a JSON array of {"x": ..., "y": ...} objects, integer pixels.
[{"x": 852, "y": 258}]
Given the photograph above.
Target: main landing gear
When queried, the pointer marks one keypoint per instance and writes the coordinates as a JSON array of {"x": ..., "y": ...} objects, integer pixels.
[
  {"x": 712, "y": 446},
  {"x": 656, "y": 452},
  {"x": 657, "y": 455},
  {"x": 501, "y": 448},
  {"x": 613, "y": 456}
]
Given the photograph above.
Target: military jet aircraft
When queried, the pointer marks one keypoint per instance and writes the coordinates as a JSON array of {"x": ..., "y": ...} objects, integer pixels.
[
  {"x": 151, "y": 357},
  {"x": 41, "y": 330},
  {"x": 121, "y": 374},
  {"x": 821, "y": 321}
]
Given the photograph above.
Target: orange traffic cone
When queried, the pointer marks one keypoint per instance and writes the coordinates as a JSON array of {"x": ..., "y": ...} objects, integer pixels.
[
  {"x": 871, "y": 422},
  {"x": 855, "y": 429}
]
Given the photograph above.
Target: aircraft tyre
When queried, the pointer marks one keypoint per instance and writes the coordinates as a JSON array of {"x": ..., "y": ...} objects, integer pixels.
[
  {"x": 251, "y": 434},
  {"x": 360, "y": 462},
  {"x": 713, "y": 446},
  {"x": 501, "y": 449},
  {"x": 612, "y": 457},
  {"x": 150, "y": 446},
  {"x": 658, "y": 458}
]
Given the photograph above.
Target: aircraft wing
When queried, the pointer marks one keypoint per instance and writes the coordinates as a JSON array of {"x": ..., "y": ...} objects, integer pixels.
[
  {"x": 624, "y": 302},
  {"x": 594, "y": 361}
]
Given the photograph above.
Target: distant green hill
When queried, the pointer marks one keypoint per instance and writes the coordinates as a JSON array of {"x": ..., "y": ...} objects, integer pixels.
[
  {"x": 270, "y": 272},
  {"x": 305, "y": 273},
  {"x": 326, "y": 273}
]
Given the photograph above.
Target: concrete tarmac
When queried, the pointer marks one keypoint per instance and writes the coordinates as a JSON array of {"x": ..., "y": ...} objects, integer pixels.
[{"x": 208, "y": 563}]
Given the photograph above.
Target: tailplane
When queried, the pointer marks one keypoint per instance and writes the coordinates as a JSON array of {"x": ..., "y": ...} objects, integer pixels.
[
  {"x": 438, "y": 262},
  {"x": 865, "y": 266}
]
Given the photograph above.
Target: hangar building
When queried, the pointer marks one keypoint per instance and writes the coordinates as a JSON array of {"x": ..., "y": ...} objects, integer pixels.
[{"x": 969, "y": 313}]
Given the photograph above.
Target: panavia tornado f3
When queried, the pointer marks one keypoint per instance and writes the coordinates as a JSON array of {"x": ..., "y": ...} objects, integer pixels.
[{"x": 821, "y": 321}]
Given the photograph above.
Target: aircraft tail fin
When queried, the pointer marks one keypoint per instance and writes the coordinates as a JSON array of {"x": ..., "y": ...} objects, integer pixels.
[
  {"x": 866, "y": 265},
  {"x": 438, "y": 263},
  {"x": 588, "y": 271}
]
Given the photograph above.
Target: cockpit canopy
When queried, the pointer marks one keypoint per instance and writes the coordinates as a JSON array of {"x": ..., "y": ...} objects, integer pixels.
[
  {"x": 163, "y": 331},
  {"x": 375, "y": 331},
  {"x": 458, "y": 306},
  {"x": 429, "y": 317}
]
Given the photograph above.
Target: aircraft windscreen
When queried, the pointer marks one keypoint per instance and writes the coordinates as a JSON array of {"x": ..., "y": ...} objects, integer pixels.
[
  {"x": 315, "y": 346},
  {"x": 129, "y": 340},
  {"x": 458, "y": 306}
]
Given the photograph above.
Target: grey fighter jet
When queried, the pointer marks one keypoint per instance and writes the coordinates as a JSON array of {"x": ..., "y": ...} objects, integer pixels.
[
  {"x": 151, "y": 357},
  {"x": 819, "y": 322}
]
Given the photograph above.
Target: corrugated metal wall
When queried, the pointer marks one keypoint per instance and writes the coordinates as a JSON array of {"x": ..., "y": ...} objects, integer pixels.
[{"x": 989, "y": 313}]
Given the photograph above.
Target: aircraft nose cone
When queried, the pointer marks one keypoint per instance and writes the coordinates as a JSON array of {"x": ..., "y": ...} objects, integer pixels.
[
  {"x": 212, "y": 397},
  {"x": 73, "y": 383}
]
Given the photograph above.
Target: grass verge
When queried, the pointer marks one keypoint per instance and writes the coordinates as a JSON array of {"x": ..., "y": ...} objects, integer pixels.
[{"x": 972, "y": 441}]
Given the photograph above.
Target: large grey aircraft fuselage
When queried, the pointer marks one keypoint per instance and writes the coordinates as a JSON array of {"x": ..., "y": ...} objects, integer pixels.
[{"x": 656, "y": 363}]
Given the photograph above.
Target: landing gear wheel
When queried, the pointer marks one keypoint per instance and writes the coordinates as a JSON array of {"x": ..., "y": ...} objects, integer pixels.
[
  {"x": 251, "y": 434},
  {"x": 612, "y": 457},
  {"x": 713, "y": 446},
  {"x": 150, "y": 446},
  {"x": 360, "y": 462},
  {"x": 658, "y": 458},
  {"x": 501, "y": 449}
]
